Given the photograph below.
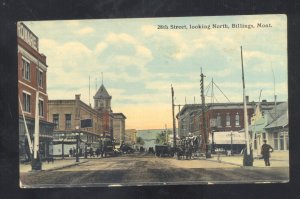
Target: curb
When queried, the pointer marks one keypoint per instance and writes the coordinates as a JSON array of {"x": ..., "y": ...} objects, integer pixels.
[
  {"x": 59, "y": 167},
  {"x": 220, "y": 161},
  {"x": 65, "y": 166}
]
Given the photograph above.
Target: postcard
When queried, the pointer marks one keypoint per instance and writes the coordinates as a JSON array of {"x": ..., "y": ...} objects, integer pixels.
[{"x": 153, "y": 101}]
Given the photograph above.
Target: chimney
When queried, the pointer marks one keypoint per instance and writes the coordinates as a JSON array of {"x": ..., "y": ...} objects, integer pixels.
[
  {"x": 77, "y": 106},
  {"x": 43, "y": 57},
  {"x": 77, "y": 96}
]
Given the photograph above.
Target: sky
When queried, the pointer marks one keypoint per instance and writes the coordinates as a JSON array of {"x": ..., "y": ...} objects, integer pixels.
[{"x": 140, "y": 62}]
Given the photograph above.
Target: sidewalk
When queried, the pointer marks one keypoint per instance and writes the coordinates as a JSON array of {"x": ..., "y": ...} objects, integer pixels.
[
  {"x": 57, "y": 164},
  {"x": 278, "y": 159}
]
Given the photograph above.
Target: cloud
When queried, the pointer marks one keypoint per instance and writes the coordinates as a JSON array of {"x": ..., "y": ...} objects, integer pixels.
[
  {"x": 72, "y": 23},
  {"x": 140, "y": 65},
  {"x": 85, "y": 31},
  {"x": 121, "y": 37},
  {"x": 179, "y": 47},
  {"x": 100, "y": 47}
]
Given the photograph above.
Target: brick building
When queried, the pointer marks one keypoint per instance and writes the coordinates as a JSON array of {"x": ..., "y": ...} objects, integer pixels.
[
  {"x": 102, "y": 103},
  {"x": 220, "y": 117},
  {"x": 32, "y": 74}
]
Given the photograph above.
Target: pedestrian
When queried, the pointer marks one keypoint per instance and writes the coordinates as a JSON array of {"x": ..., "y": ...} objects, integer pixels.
[
  {"x": 70, "y": 152},
  {"x": 74, "y": 152},
  {"x": 265, "y": 152},
  {"x": 91, "y": 152}
]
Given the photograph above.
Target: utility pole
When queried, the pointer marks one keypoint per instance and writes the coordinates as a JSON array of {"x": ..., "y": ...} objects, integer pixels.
[
  {"x": 231, "y": 142},
  {"x": 36, "y": 163},
  {"x": 248, "y": 156},
  {"x": 203, "y": 115},
  {"x": 173, "y": 116},
  {"x": 166, "y": 134}
]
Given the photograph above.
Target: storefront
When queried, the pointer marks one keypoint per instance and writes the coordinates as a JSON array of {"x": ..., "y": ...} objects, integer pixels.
[{"x": 46, "y": 138}]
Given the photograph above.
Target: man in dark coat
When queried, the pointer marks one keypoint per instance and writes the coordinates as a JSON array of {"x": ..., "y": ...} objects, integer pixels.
[{"x": 265, "y": 152}]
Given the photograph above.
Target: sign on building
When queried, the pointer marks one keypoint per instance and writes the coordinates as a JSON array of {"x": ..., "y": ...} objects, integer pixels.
[
  {"x": 29, "y": 37},
  {"x": 86, "y": 123}
]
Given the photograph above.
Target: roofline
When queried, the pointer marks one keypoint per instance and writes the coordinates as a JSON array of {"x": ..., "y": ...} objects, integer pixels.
[
  {"x": 186, "y": 106},
  {"x": 120, "y": 114}
]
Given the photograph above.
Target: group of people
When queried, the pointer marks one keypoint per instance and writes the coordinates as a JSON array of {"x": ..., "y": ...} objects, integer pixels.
[
  {"x": 90, "y": 152},
  {"x": 72, "y": 152}
]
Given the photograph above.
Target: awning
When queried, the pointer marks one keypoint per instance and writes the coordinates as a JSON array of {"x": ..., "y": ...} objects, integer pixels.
[{"x": 224, "y": 137}]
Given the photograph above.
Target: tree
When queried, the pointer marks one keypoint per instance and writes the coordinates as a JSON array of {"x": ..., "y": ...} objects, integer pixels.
[
  {"x": 161, "y": 138},
  {"x": 140, "y": 141}
]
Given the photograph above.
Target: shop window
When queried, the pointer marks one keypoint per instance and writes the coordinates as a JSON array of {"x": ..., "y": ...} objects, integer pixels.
[
  {"x": 281, "y": 141},
  {"x": 275, "y": 141}
]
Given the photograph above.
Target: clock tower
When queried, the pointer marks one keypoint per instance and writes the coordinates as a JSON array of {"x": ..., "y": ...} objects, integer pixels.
[{"x": 102, "y": 100}]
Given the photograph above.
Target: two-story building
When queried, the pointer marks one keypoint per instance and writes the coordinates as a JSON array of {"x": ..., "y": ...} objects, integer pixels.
[
  {"x": 73, "y": 118},
  {"x": 226, "y": 118},
  {"x": 67, "y": 116}
]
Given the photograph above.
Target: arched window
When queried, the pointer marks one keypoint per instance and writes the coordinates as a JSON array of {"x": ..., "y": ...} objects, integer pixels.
[
  {"x": 227, "y": 119},
  {"x": 237, "y": 119},
  {"x": 219, "y": 120}
]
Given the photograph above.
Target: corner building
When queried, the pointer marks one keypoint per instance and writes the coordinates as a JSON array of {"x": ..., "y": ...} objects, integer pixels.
[{"x": 32, "y": 74}]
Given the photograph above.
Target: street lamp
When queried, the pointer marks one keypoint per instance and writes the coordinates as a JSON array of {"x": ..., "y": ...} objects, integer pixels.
[
  {"x": 213, "y": 141},
  {"x": 77, "y": 143},
  {"x": 62, "y": 146},
  {"x": 231, "y": 141}
]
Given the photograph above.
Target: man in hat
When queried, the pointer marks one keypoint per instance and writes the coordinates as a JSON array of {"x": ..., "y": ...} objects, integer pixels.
[{"x": 265, "y": 152}]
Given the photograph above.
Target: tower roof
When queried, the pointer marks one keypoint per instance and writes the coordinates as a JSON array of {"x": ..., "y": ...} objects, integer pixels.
[{"x": 102, "y": 93}]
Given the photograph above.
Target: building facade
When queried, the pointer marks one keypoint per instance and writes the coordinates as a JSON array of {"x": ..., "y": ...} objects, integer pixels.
[
  {"x": 32, "y": 74},
  {"x": 73, "y": 118},
  {"x": 220, "y": 117},
  {"x": 272, "y": 126},
  {"x": 130, "y": 136},
  {"x": 102, "y": 104},
  {"x": 119, "y": 128},
  {"x": 67, "y": 116}
]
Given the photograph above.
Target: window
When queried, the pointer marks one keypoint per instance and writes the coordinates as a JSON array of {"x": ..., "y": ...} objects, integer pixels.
[
  {"x": 237, "y": 119},
  {"x": 227, "y": 119},
  {"x": 276, "y": 141},
  {"x": 68, "y": 121},
  {"x": 41, "y": 108},
  {"x": 26, "y": 69},
  {"x": 39, "y": 77},
  {"x": 281, "y": 141},
  {"x": 287, "y": 142},
  {"x": 56, "y": 121},
  {"x": 26, "y": 102},
  {"x": 219, "y": 120}
]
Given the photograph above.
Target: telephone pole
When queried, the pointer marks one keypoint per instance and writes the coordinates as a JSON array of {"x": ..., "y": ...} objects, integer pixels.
[
  {"x": 173, "y": 116},
  {"x": 248, "y": 156},
  {"x": 203, "y": 115}
]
